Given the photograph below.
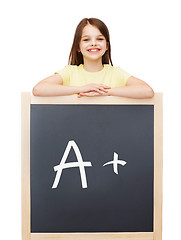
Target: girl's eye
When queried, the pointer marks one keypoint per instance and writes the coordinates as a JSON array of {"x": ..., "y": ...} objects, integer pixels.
[{"x": 86, "y": 39}]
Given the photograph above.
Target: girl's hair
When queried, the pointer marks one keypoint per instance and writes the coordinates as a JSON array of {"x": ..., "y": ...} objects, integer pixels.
[{"x": 75, "y": 57}]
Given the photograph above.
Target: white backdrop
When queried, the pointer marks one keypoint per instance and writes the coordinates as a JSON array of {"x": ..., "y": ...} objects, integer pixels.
[{"x": 36, "y": 37}]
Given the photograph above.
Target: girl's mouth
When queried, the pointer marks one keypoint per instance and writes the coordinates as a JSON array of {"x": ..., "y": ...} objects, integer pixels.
[{"x": 93, "y": 50}]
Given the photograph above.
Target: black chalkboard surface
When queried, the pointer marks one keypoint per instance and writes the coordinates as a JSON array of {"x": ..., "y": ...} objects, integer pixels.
[{"x": 112, "y": 191}]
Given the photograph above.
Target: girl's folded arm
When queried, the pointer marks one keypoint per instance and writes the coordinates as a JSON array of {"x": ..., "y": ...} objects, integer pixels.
[
  {"x": 52, "y": 86},
  {"x": 135, "y": 88}
]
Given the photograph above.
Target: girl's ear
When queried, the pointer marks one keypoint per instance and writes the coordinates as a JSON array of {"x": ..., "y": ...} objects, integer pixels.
[
  {"x": 78, "y": 50},
  {"x": 107, "y": 46}
]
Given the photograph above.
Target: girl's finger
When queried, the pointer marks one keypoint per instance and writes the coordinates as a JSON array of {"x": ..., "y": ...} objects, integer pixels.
[
  {"x": 96, "y": 90},
  {"x": 91, "y": 94},
  {"x": 103, "y": 89},
  {"x": 99, "y": 90}
]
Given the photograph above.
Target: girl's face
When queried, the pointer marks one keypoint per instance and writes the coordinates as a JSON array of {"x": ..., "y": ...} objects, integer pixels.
[{"x": 93, "y": 44}]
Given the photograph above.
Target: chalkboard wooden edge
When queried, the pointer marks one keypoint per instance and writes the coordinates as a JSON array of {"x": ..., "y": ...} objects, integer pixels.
[
  {"x": 158, "y": 167},
  {"x": 91, "y": 236},
  {"x": 27, "y": 99},
  {"x": 73, "y": 99},
  {"x": 25, "y": 165}
]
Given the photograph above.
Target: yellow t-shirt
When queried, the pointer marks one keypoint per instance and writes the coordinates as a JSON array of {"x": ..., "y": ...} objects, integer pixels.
[{"x": 74, "y": 75}]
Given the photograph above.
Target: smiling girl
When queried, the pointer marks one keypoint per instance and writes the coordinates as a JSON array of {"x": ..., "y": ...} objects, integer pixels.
[{"x": 90, "y": 71}]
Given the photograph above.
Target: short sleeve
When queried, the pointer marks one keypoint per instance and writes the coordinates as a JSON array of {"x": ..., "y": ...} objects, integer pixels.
[
  {"x": 65, "y": 74},
  {"x": 121, "y": 77}
]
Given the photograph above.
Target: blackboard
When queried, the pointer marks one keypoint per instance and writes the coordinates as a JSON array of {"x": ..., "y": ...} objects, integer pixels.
[{"x": 111, "y": 202}]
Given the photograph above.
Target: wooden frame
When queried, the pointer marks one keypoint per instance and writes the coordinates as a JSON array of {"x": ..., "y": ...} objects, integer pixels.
[{"x": 27, "y": 100}]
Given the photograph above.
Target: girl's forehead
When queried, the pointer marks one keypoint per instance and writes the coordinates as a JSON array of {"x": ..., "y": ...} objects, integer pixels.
[{"x": 90, "y": 29}]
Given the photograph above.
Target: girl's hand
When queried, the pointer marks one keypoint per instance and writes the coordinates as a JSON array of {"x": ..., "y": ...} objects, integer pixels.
[
  {"x": 94, "y": 87},
  {"x": 92, "y": 94}
]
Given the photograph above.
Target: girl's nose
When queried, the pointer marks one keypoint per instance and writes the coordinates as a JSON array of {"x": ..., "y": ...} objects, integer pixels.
[{"x": 93, "y": 42}]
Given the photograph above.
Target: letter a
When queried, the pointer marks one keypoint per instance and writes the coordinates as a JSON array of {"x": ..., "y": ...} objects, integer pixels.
[{"x": 81, "y": 164}]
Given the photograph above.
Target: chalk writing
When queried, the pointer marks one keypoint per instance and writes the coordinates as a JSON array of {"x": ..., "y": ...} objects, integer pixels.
[
  {"x": 115, "y": 163},
  {"x": 81, "y": 164}
]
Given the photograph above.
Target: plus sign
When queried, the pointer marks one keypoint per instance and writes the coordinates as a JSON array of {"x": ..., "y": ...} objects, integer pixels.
[{"x": 115, "y": 163}]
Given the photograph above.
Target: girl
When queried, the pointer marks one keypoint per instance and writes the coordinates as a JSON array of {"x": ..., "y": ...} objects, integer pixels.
[{"x": 90, "y": 71}]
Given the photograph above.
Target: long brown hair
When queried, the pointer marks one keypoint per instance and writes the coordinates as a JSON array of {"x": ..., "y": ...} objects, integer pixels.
[{"x": 76, "y": 57}]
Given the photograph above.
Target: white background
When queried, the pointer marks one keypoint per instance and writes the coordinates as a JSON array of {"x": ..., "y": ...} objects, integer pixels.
[{"x": 36, "y": 37}]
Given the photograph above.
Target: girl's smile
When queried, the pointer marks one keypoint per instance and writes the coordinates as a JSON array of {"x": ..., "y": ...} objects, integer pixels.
[{"x": 93, "y": 50}]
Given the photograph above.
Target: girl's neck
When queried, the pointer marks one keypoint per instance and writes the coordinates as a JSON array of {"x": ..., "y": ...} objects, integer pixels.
[{"x": 93, "y": 66}]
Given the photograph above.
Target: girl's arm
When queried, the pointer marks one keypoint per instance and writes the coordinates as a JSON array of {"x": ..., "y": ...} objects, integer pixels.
[
  {"x": 52, "y": 86},
  {"x": 135, "y": 88}
]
